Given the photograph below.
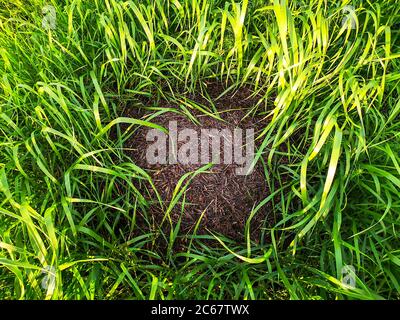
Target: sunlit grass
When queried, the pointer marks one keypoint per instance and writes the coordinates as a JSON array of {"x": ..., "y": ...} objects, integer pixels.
[{"x": 330, "y": 95}]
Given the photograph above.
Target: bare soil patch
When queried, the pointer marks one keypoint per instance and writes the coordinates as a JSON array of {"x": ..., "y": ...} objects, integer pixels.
[{"x": 221, "y": 198}]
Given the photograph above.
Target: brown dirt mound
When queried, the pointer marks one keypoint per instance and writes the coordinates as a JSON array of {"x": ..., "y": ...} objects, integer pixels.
[{"x": 225, "y": 197}]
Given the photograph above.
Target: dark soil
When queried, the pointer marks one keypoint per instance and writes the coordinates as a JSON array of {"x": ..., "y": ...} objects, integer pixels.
[{"x": 225, "y": 197}]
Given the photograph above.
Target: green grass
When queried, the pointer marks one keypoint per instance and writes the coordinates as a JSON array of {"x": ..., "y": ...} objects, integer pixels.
[{"x": 335, "y": 88}]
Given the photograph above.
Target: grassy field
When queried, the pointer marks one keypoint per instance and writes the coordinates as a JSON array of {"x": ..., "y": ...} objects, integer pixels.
[{"x": 328, "y": 73}]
